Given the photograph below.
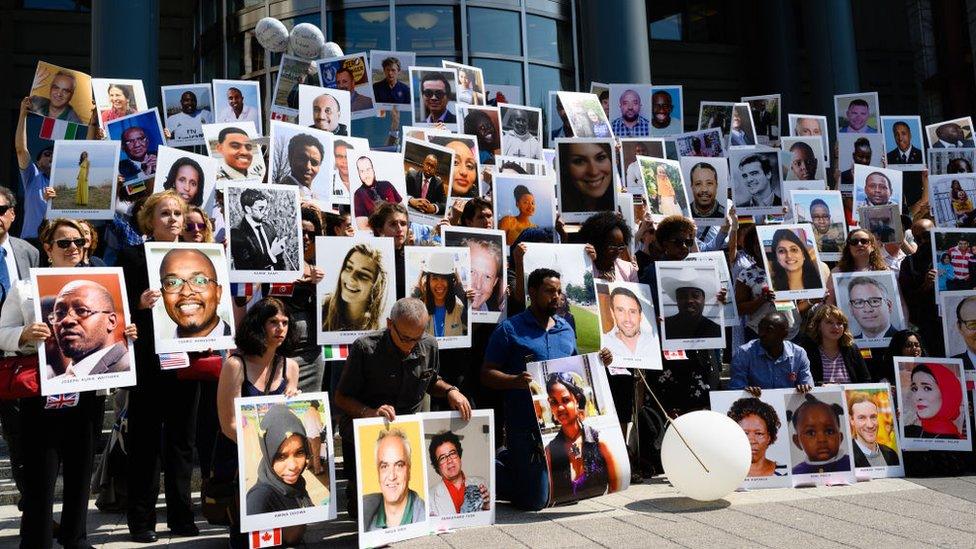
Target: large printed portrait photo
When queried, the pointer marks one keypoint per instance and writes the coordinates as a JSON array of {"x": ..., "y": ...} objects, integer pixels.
[
  {"x": 194, "y": 313},
  {"x": 810, "y": 125},
  {"x": 952, "y": 198},
  {"x": 427, "y": 171},
  {"x": 951, "y": 134},
  {"x": 483, "y": 123},
  {"x": 84, "y": 176},
  {"x": 872, "y": 301},
  {"x": 471, "y": 89},
  {"x": 857, "y": 112},
  {"x": 585, "y": 115},
  {"x": 524, "y": 202},
  {"x": 238, "y": 101},
  {"x": 692, "y": 317},
  {"x": 824, "y": 211},
  {"x": 874, "y": 433},
  {"x": 933, "y": 408},
  {"x": 665, "y": 187},
  {"x": 141, "y": 135},
  {"x": 358, "y": 287},
  {"x": 87, "y": 311},
  {"x": 954, "y": 258},
  {"x": 521, "y": 131},
  {"x": 791, "y": 261},
  {"x": 766, "y": 117},
  {"x": 285, "y": 460},
  {"x": 803, "y": 159},
  {"x": 489, "y": 264},
  {"x": 391, "y": 79},
  {"x": 667, "y": 114},
  {"x": 460, "y": 468},
  {"x": 628, "y": 325},
  {"x": 301, "y": 157},
  {"x": 586, "y": 177},
  {"x": 118, "y": 97},
  {"x": 293, "y": 73},
  {"x": 763, "y": 420},
  {"x": 375, "y": 177},
  {"x": 60, "y": 93},
  {"x": 234, "y": 145},
  {"x": 439, "y": 276},
  {"x": 820, "y": 436},
  {"x": 903, "y": 141},
  {"x": 465, "y": 180},
  {"x": 433, "y": 96},
  {"x": 707, "y": 183},
  {"x": 193, "y": 176},
  {"x": 265, "y": 232},
  {"x": 756, "y": 182},
  {"x": 186, "y": 108},
  {"x": 324, "y": 109}
]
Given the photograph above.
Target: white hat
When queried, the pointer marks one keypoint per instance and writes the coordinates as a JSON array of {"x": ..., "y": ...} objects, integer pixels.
[
  {"x": 689, "y": 277},
  {"x": 440, "y": 264}
]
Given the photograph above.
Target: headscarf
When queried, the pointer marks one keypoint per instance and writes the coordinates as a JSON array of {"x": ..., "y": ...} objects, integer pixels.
[
  {"x": 943, "y": 422},
  {"x": 277, "y": 425}
]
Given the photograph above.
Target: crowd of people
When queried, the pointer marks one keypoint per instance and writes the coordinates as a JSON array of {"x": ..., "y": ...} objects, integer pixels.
[{"x": 172, "y": 423}]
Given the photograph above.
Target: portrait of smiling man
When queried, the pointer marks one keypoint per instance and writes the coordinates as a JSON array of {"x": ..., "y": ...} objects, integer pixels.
[
  {"x": 863, "y": 413},
  {"x": 191, "y": 294},
  {"x": 756, "y": 175},
  {"x": 395, "y": 504},
  {"x": 240, "y": 158}
]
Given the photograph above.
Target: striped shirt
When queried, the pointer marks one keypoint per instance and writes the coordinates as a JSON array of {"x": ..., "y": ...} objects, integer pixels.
[
  {"x": 960, "y": 262},
  {"x": 834, "y": 370},
  {"x": 640, "y": 129}
]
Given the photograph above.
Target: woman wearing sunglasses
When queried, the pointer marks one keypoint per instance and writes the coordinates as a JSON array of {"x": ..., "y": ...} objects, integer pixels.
[
  {"x": 59, "y": 437},
  {"x": 198, "y": 227},
  {"x": 861, "y": 253}
]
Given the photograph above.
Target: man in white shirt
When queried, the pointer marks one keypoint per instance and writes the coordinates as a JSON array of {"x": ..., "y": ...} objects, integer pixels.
[
  {"x": 519, "y": 141},
  {"x": 185, "y": 124},
  {"x": 237, "y": 110},
  {"x": 86, "y": 328},
  {"x": 627, "y": 340},
  {"x": 240, "y": 157}
]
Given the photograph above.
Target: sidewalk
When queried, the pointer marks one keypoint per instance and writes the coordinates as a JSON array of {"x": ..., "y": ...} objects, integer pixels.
[{"x": 892, "y": 512}]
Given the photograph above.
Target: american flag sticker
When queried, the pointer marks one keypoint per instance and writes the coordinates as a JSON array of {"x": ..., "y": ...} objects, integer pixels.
[{"x": 173, "y": 361}]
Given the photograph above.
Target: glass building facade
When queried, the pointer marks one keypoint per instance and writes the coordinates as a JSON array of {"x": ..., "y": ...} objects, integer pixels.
[{"x": 529, "y": 44}]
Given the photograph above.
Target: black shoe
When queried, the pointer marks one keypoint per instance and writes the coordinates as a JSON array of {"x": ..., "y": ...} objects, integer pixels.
[
  {"x": 147, "y": 536},
  {"x": 185, "y": 530}
]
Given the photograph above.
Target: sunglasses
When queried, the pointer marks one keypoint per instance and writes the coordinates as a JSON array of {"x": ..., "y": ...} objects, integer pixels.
[
  {"x": 5, "y": 208},
  {"x": 193, "y": 227},
  {"x": 310, "y": 234},
  {"x": 859, "y": 241},
  {"x": 434, "y": 94},
  {"x": 683, "y": 242},
  {"x": 66, "y": 243}
]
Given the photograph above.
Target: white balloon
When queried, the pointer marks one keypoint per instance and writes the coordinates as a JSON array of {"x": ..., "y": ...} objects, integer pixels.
[
  {"x": 332, "y": 49},
  {"x": 272, "y": 34},
  {"x": 720, "y": 444},
  {"x": 307, "y": 41}
]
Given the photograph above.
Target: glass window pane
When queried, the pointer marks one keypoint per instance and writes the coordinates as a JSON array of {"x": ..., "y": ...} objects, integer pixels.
[
  {"x": 543, "y": 79},
  {"x": 358, "y": 30},
  {"x": 494, "y": 31},
  {"x": 507, "y": 73},
  {"x": 61, "y": 5},
  {"x": 427, "y": 28},
  {"x": 668, "y": 28},
  {"x": 549, "y": 39}
]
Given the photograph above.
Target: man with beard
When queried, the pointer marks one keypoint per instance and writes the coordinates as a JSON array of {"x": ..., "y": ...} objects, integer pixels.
[
  {"x": 871, "y": 308},
  {"x": 704, "y": 190},
  {"x": 191, "y": 294},
  {"x": 139, "y": 162},
  {"x": 662, "y": 123},
  {"x": 803, "y": 163},
  {"x": 904, "y": 152},
  {"x": 756, "y": 176},
  {"x": 456, "y": 493},
  {"x": 60, "y": 92},
  {"x": 425, "y": 190},
  {"x": 830, "y": 236},
  {"x": 518, "y": 140},
  {"x": 631, "y": 123},
  {"x": 689, "y": 295},
  {"x": 346, "y": 81},
  {"x": 340, "y": 179},
  {"x": 951, "y": 135},
  {"x": 396, "y": 504},
  {"x": 436, "y": 92},
  {"x": 626, "y": 338},
  {"x": 186, "y": 124},
  {"x": 237, "y": 151},
  {"x": 877, "y": 189},
  {"x": 305, "y": 154},
  {"x": 325, "y": 115},
  {"x": 85, "y": 325},
  {"x": 254, "y": 243},
  {"x": 863, "y": 414},
  {"x": 861, "y": 155}
]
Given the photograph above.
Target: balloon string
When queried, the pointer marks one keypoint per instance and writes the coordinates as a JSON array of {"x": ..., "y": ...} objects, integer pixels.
[{"x": 673, "y": 424}]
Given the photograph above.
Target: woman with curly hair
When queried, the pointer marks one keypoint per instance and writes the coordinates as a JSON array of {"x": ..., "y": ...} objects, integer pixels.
[
  {"x": 607, "y": 237},
  {"x": 834, "y": 357},
  {"x": 440, "y": 289},
  {"x": 761, "y": 425},
  {"x": 861, "y": 253},
  {"x": 360, "y": 292},
  {"x": 790, "y": 263}
]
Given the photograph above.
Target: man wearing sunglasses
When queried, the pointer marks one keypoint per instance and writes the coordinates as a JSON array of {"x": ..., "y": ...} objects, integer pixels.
[
  {"x": 387, "y": 374},
  {"x": 436, "y": 92},
  {"x": 191, "y": 294},
  {"x": 88, "y": 330}
]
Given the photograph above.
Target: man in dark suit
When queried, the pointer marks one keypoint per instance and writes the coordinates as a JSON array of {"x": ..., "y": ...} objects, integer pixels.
[
  {"x": 904, "y": 152},
  {"x": 254, "y": 244},
  {"x": 436, "y": 94},
  {"x": 966, "y": 324},
  {"x": 868, "y": 452},
  {"x": 87, "y": 330},
  {"x": 425, "y": 188},
  {"x": 951, "y": 135}
]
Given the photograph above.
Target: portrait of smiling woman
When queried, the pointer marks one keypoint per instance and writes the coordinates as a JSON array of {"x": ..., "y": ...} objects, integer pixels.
[
  {"x": 791, "y": 263},
  {"x": 360, "y": 292},
  {"x": 585, "y": 176},
  {"x": 186, "y": 178}
]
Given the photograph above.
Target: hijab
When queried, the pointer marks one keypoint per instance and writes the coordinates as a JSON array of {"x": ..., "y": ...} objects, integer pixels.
[
  {"x": 276, "y": 426},
  {"x": 943, "y": 422}
]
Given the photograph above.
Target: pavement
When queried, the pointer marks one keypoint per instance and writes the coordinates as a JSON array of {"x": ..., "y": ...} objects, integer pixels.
[{"x": 936, "y": 512}]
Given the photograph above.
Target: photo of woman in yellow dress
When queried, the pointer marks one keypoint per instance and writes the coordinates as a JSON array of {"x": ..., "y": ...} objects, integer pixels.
[{"x": 81, "y": 193}]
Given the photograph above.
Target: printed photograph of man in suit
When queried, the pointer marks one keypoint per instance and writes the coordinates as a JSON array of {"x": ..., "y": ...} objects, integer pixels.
[
  {"x": 425, "y": 188},
  {"x": 254, "y": 243},
  {"x": 904, "y": 152},
  {"x": 87, "y": 328}
]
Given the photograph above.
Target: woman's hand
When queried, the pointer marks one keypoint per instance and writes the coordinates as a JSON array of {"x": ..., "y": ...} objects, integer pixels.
[
  {"x": 149, "y": 298},
  {"x": 132, "y": 332},
  {"x": 50, "y": 193},
  {"x": 590, "y": 251},
  {"x": 37, "y": 331}
]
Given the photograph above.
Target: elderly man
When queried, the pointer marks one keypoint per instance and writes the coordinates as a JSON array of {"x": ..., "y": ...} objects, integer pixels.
[
  {"x": 951, "y": 135},
  {"x": 305, "y": 154},
  {"x": 863, "y": 414},
  {"x": 871, "y": 308},
  {"x": 237, "y": 154},
  {"x": 904, "y": 152},
  {"x": 390, "y": 89},
  {"x": 662, "y": 123},
  {"x": 139, "y": 162},
  {"x": 191, "y": 294},
  {"x": 58, "y": 105},
  {"x": 325, "y": 115},
  {"x": 87, "y": 327},
  {"x": 388, "y": 373},
  {"x": 254, "y": 243},
  {"x": 436, "y": 93},
  {"x": 631, "y": 123},
  {"x": 346, "y": 81},
  {"x": 396, "y": 504},
  {"x": 456, "y": 492},
  {"x": 771, "y": 362},
  {"x": 236, "y": 110}
]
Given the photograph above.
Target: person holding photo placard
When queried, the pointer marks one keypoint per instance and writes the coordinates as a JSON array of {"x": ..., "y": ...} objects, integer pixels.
[
  {"x": 771, "y": 362},
  {"x": 830, "y": 348}
]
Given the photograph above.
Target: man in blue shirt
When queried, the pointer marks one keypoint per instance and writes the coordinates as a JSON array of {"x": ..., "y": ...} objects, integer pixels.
[
  {"x": 35, "y": 174},
  {"x": 533, "y": 335},
  {"x": 771, "y": 362},
  {"x": 390, "y": 89}
]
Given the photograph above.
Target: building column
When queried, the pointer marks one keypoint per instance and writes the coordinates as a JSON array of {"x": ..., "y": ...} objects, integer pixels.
[
  {"x": 832, "y": 51},
  {"x": 125, "y": 42},
  {"x": 613, "y": 41}
]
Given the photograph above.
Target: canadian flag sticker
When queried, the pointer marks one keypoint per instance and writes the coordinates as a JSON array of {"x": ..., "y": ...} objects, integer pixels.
[{"x": 266, "y": 538}]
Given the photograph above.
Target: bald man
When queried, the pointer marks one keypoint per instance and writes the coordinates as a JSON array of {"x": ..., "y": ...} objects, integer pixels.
[
  {"x": 325, "y": 115},
  {"x": 631, "y": 123},
  {"x": 88, "y": 330},
  {"x": 191, "y": 294}
]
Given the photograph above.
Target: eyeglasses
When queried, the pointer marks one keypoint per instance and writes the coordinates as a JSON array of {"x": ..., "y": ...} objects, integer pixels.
[
  {"x": 970, "y": 325},
  {"x": 197, "y": 283},
  {"x": 686, "y": 242},
  {"x": 859, "y": 241},
  {"x": 404, "y": 339},
  {"x": 452, "y": 455},
  {"x": 194, "y": 227},
  {"x": 134, "y": 140},
  {"x": 5, "y": 208},
  {"x": 66, "y": 243},
  {"x": 436, "y": 94},
  {"x": 80, "y": 313},
  {"x": 871, "y": 301}
]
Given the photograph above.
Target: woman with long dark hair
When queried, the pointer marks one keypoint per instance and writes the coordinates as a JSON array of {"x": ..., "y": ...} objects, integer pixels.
[
  {"x": 439, "y": 288},
  {"x": 186, "y": 178},
  {"x": 586, "y": 176},
  {"x": 791, "y": 265}
]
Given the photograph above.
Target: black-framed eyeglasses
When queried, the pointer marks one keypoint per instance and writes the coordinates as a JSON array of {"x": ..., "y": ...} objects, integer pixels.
[
  {"x": 66, "y": 243},
  {"x": 438, "y": 94},
  {"x": 194, "y": 227},
  {"x": 452, "y": 455},
  {"x": 80, "y": 313},
  {"x": 403, "y": 338},
  {"x": 174, "y": 284},
  {"x": 871, "y": 301}
]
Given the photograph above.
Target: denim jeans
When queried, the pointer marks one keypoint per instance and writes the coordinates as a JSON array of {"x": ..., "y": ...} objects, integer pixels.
[{"x": 521, "y": 472}]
